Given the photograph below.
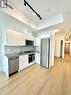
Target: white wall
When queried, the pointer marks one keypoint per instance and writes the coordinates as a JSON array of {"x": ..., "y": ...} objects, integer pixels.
[
  {"x": 1, "y": 46},
  {"x": 58, "y": 38},
  {"x": 2, "y": 39},
  {"x": 52, "y": 46}
]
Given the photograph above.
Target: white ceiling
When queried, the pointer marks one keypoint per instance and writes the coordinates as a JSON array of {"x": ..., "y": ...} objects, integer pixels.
[{"x": 46, "y": 8}]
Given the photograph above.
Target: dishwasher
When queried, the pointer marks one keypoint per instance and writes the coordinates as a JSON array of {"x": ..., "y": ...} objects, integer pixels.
[{"x": 13, "y": 65}]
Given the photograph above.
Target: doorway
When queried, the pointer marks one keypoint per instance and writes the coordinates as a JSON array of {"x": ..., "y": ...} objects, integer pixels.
[
  {"x": 67, "y": 48},
  {"x": 61, "y": 49}
]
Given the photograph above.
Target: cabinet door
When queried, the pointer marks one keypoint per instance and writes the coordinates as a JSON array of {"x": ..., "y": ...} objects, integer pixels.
[
  {"x": 11, "y": 38},
  {"x": 15, "y": 38},
  {"x": 31, "y": 37},
  {"x": 23, "y": 62},
  {"x": 37, "y": 58},
  {"x": 37, "y": 42},
  {"x": 20, "y": 39}
]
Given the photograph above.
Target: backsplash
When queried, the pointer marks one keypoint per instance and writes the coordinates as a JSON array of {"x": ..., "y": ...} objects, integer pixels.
[{"x": 18, "y": 49}]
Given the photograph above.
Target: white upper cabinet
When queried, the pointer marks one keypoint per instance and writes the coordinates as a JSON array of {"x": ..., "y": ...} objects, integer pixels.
[
  {"x": 17, "y": 38},
  {"x": 20, "y": 38},
  {"x": 29, "y": 36},
  {"x": 37, "y": 42},
  {"x": 11, "y": 38}
]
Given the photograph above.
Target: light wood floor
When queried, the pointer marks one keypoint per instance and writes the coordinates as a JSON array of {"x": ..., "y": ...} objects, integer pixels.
[{"x": 37, "y": 80}]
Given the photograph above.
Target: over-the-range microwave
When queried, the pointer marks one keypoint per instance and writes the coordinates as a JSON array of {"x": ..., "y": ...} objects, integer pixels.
[{"x": 29, "y": 43}]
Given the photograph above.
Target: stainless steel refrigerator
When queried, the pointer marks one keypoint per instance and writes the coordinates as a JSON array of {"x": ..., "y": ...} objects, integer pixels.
[{"x": 45, "y": 52}]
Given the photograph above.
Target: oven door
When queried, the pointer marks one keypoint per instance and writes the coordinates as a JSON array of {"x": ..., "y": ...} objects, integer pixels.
[{"x": 31, "y": 58}]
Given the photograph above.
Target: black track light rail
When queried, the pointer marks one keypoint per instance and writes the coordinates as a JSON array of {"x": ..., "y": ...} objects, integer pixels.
[
  {"x": 26, "y": 3},
  {"x": 9, "y": 6}
]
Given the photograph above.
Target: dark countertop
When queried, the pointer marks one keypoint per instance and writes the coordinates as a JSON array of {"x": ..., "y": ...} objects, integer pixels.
[{"x": 19, "y": 54}]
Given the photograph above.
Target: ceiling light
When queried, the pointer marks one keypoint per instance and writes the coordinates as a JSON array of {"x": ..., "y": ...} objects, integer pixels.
[{"x": 56, "y": 30}]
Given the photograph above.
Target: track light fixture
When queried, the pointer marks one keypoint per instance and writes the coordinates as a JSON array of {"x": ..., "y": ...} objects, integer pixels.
[
  {"x": 9, "y": 6},
  {"x": 26, "y": 3}
]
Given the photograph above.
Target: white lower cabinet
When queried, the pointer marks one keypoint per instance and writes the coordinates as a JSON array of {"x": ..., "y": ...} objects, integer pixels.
[{"x": 23, "y": 62}]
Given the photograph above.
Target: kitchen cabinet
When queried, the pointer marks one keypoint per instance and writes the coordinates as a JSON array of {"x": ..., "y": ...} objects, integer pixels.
[
  {"x": 11, "y": 38},
  {"x": 29, "y": 36},
  {"x": 37, "y": 42},
  {"x": 37, "y": 54},
  {"x": 20, "y": 38},
  {"x": 23, "y": 62},
  {"x": 14, "y": 38},
  {"x": 37, "y": 58}
]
